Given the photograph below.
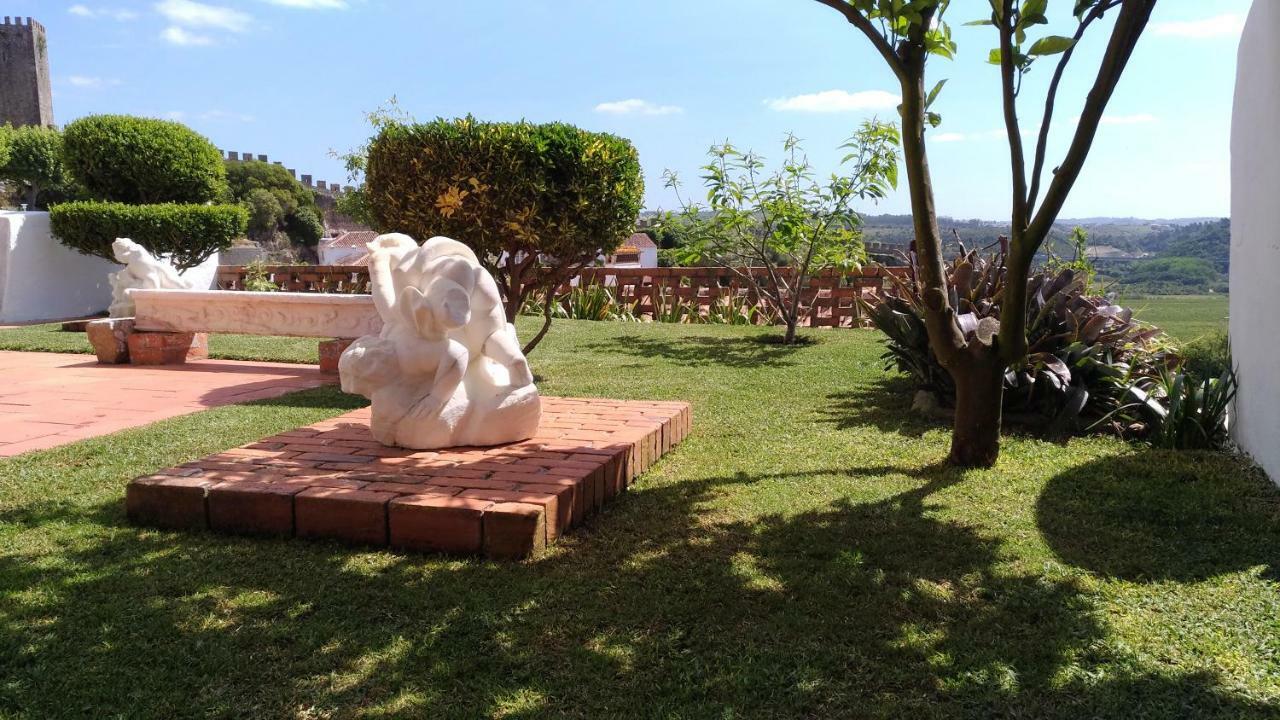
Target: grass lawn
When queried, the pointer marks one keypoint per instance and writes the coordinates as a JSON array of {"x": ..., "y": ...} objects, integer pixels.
[
  {"x": 1185, "y": 317},
  {"x": 802, "y": 554},
  {"x": 51, "y": 338}
]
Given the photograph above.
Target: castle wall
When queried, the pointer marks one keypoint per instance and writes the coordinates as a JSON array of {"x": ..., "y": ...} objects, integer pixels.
[{"x": 25, "y": 96}]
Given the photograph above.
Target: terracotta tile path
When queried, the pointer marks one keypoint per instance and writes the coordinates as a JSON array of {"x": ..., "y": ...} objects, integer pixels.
[{"x": 49, "y": 399}]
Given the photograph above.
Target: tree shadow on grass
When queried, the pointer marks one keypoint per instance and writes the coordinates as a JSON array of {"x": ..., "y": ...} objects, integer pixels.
[
  {"x": 884, "y": 404},
  {"x": 703, "y": 350},
  {"x": 1162, "y": 515},
  {"x": 657, "y": 608}
]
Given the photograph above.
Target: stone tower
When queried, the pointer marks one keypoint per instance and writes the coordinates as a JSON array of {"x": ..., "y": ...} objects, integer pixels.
[{"x": 24, "y": 74}]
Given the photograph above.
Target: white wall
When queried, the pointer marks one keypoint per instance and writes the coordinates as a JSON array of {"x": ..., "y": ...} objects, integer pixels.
[
  {"x": 40, "y": 279},
  {"x": 341, "y": 255},
  {"x": 1255, "y": 237}
]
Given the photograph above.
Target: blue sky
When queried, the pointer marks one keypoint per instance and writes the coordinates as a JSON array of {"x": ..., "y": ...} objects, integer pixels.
[{"x": 293, "y": 78}]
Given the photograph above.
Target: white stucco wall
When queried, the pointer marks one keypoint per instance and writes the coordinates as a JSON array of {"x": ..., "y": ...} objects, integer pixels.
[
  {"x": 40, "y": 279},
  {"x": 1255, "y": 237}
]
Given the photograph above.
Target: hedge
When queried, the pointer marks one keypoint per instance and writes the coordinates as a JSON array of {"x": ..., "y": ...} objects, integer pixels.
[
  {"x": 552, "y": 195},
  {"x": 186, "y": 234},
  {"x": 142, "y": 160}
]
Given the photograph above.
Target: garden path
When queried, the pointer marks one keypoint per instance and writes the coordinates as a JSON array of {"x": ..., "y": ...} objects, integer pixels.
[{"x": 50, "y": 399}]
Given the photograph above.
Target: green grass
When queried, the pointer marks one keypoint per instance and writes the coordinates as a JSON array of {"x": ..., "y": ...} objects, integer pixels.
[
  {"x": 51, "y": 338},
  {"x": 1185, "y": 317},
  {"x": 803, "y": 554}
]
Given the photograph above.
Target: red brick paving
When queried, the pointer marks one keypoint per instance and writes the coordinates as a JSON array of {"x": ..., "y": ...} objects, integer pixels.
[
  {"x": 50, "y": 399},
  {"x": 332, "y": 480}
]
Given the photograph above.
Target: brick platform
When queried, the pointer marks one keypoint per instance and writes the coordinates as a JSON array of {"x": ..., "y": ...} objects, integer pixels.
[{"x": 333, "y": 480}]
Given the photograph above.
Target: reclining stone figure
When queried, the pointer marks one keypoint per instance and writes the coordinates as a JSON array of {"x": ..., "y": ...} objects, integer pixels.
[
  {"x": 141, "y": 270},
  {"x": 447, "y": 369}
]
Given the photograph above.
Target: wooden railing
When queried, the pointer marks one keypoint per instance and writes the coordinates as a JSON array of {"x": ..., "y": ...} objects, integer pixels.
[
  {"x": 301, "y": 278},
  {"x": 830, "y": 295}
]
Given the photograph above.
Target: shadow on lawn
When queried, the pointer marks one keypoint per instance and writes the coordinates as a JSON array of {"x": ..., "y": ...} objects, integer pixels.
[
  {"x": 654, "y": 608},
  {"x": 700, "y": 350},
  {"x": 884, "y": 404},
  {"x": 1154, "y": 515}
]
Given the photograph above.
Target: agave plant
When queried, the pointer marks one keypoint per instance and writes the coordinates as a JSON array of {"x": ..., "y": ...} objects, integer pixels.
[
  {"x": 1182, "y": 411},
  {"x": 734, "y": 309},
  {"x": 591, "y": 302},
  {"x": 1083, "y": 351},
  {"x": 672, "y": 309}
]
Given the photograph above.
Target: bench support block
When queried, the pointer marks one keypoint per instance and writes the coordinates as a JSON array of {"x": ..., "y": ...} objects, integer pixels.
[
  {"x": 331, "y": 351},
  {"x": 165, "y": 348},
  {"x": 110, "y": 339}
]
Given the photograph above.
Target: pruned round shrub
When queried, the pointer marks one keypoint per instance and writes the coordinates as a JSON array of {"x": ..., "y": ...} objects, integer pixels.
[
  {"x": 129, "y": 159},
  {"x": 186, "y": 234},
  {"x": 534, "y": 201}
]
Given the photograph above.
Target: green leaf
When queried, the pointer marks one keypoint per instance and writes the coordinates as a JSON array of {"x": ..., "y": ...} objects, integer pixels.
[
  {"x": 994, "y": 56},
  {"x": 933, "y": 94},
  {"x": 934, "y": 119},
  {"x": 988, "y": 21},
  {"x": 1050, "y": 45}
]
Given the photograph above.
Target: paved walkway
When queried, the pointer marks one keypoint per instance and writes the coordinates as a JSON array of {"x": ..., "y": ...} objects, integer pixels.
[{"x": 50, "y": 399}]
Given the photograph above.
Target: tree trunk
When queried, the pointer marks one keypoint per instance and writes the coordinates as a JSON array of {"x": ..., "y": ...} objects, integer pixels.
[
  {"x": 975, "y": 436},
  {"x": 790, "y": 337}
]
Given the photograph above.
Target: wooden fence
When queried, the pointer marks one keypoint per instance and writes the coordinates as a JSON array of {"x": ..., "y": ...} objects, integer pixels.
[
  {"x": 829, "y": 296},
  {"x": 301, "y": 278}
]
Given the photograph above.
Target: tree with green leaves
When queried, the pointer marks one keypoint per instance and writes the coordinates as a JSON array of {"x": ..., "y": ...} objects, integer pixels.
[
  {"x": 784, "y": 222},
  {"x": 906, "y": 34},
  {"x": 276, "y": 202},
  {"x": 33, "y": 164}
]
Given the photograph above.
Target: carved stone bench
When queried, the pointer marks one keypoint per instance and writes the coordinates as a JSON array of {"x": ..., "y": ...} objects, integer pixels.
[{"x": 172, "y": 326}]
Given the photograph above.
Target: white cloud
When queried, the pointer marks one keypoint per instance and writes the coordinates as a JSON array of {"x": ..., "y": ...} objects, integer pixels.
[
  {"x": 636, "y": 106},
  {"x": 949, "y": 137},
  {"x": 175, "y": 35},
  {"x": 832, "y": 101},
  {"x": 1228, "y": 25},
  {"x": 85, "y": 81},
  {"x": 119, "y": 14},
  {"x": 190, "y": 14},
  {"x": 311, "y": 4}
]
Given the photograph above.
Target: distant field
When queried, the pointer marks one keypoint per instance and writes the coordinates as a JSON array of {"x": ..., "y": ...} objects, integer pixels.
[{"x": 1185, "y": 317}]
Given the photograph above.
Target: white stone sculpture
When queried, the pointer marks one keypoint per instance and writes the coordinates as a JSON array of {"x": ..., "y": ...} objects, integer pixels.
[
  {"x": 141, "y": 270},
  {"x": 446, "y": 369}
]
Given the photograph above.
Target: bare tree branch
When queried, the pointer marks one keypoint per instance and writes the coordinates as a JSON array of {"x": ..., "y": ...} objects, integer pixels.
[
  {"x": 878, "y": 40},
  {"x": 1050, "y": 98},
  {"x": 1009, "y": 94}
]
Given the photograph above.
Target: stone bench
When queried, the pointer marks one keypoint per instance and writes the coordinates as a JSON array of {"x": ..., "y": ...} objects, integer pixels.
[{"x": 172, "y": 326}]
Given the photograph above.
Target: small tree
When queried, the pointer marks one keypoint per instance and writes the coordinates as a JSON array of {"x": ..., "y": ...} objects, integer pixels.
[
  {"x": 535, "y": 202},
  {"x": 34, "y": 164},
  {"x": 906, "y": 33},
  {"x": 785, "y": 221},
  {"x": 276, "y": 202}
]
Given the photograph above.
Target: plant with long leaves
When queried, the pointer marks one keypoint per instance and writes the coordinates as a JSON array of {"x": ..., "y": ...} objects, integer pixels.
[
  {"x": 907, "y": 34},
  {"x": 785, "y": 222}
]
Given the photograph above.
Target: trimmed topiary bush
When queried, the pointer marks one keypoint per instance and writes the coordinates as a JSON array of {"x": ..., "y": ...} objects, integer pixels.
[
  {"x": 535, "y": 202},
  {"x": 142, "y": 160},
  {"x": 186, "y": 234}
]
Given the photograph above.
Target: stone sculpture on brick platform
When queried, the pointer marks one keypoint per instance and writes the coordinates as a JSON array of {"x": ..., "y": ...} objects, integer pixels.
[
  {"x": 141, "y": 270},
  {"x": 447, "y": 369}
]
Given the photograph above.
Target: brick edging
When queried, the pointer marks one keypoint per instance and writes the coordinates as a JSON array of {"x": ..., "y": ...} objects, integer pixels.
[{"x": 332, "y": 480}]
